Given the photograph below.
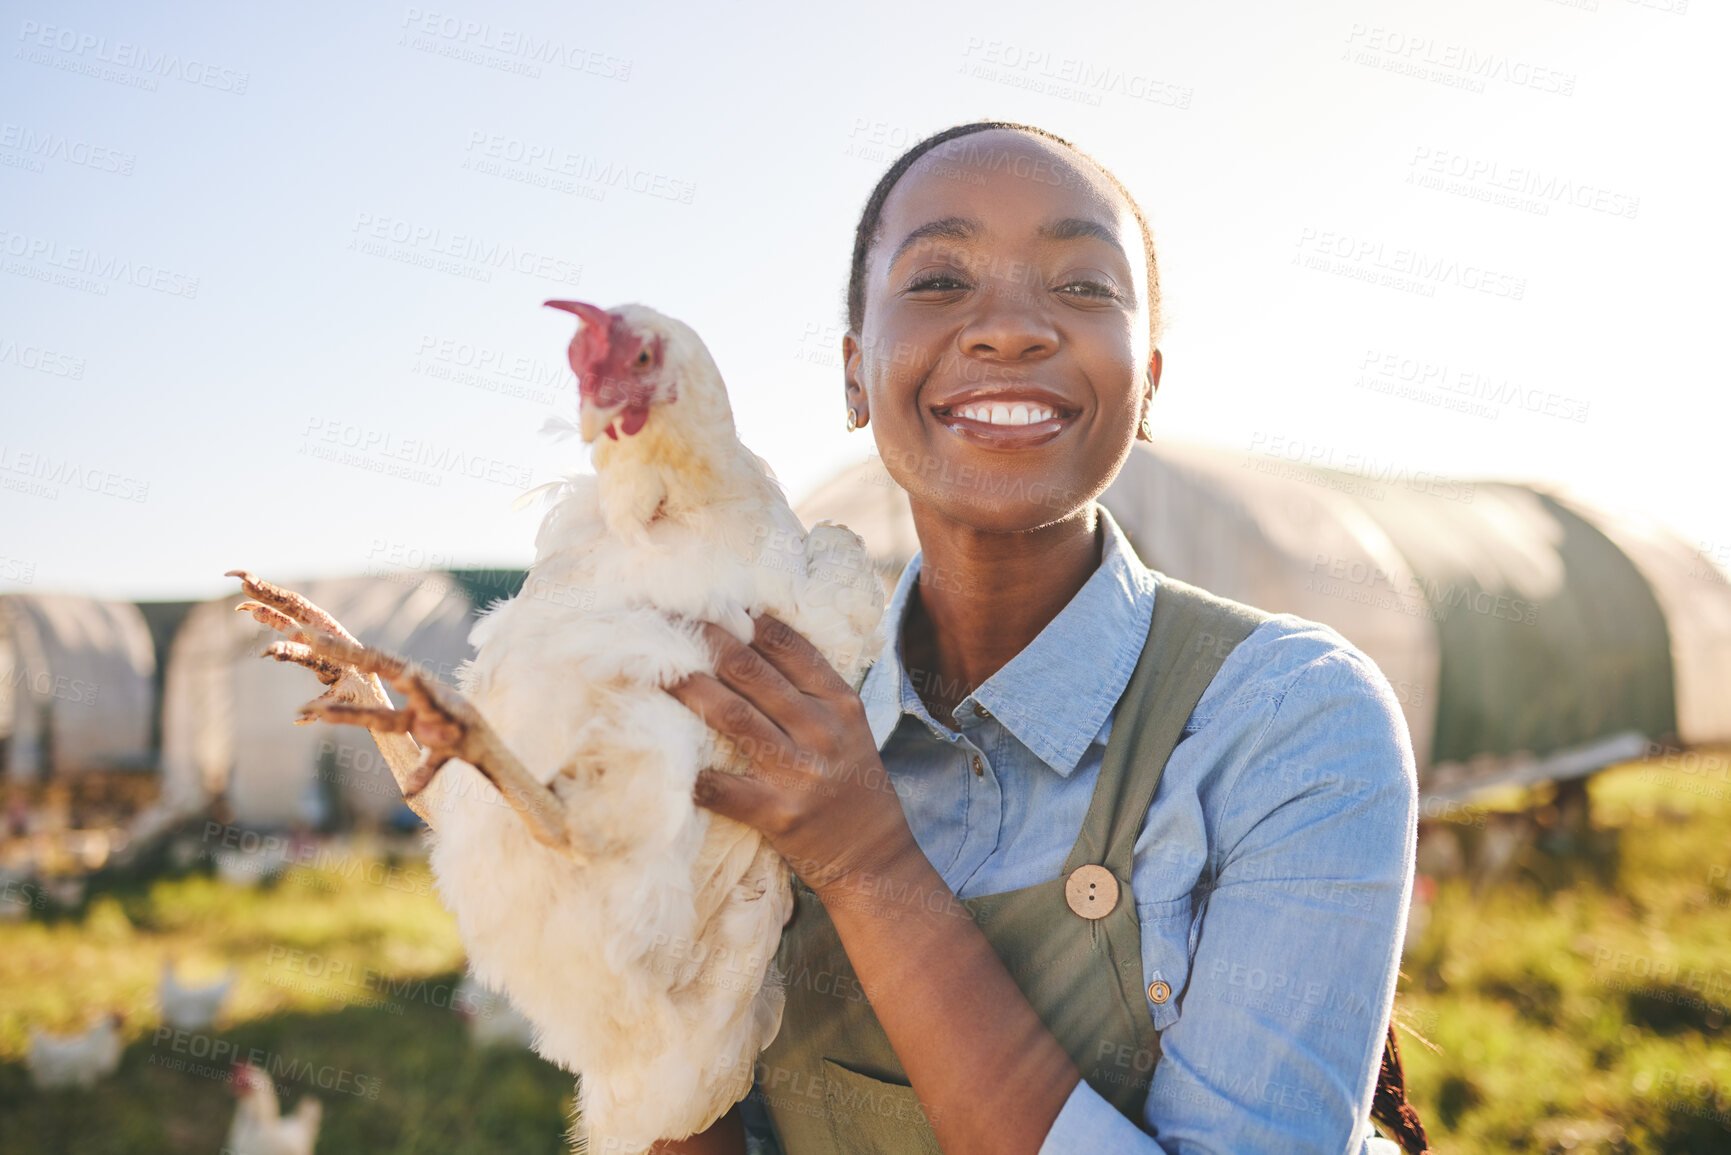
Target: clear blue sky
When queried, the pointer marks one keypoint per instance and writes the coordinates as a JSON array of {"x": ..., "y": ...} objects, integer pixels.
[{"x": 270, "y": 276}]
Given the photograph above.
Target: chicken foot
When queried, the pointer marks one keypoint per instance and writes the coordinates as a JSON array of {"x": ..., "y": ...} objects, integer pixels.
[
  {"x": 437, "y": 724},
  {"x": 289, "y": 613},
  {"x": 447, "y": 726}
]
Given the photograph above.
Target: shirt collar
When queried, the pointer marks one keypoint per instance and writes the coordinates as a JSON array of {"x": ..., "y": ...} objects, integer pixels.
[{"x": 1058, "y": 694}]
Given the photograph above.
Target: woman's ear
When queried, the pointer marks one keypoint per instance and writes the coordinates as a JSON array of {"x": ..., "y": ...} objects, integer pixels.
[
  {"x": 1145, "y": 427},
  {"x": 853, "y": 389}
]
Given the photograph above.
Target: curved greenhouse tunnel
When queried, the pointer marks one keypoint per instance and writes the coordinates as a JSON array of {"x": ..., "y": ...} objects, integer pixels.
[{"x": 1514, "y": 623}]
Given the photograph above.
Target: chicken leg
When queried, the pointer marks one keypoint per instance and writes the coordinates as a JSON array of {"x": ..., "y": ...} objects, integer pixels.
[{"x": 436, "y": 725}]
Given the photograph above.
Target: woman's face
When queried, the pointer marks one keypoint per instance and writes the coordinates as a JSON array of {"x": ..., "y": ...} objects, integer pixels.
[{"x": 1005, "y": 356}]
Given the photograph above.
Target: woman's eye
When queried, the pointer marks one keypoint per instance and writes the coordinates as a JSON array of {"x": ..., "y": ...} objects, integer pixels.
[
  {"x": 1097, "y": 289},
  {"x": 937, "y": 282}
]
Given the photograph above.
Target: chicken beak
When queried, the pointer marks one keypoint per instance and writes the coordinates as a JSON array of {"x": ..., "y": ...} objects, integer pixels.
[{"x": 593, "y": 417}]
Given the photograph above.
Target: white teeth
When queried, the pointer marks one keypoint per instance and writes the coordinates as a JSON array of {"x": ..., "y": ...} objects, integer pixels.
[{"x": 1002, "y": 413}]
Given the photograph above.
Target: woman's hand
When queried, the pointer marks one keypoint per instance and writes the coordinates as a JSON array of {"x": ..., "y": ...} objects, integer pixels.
[
  {"x": 991, "y": 1076},
  {"x": 817, "y": 789}
]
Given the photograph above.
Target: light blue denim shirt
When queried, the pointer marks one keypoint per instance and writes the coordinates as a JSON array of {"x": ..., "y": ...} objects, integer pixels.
[{"x": 1271, "y": 878}]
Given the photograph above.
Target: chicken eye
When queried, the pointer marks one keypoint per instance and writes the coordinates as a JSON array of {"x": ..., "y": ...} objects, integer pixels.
[{"x": 643, "y": 358}]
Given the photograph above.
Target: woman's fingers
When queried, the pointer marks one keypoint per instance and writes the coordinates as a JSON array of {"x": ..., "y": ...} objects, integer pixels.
[
  {"x": 732, "y": 796},
  {"x": 757, "y": 804},
  {"x": 815, "y": 786},
  {"x": 804, "y": 734},
  {"x": 797, "y": 659},
  {"x": 750, "y": 672},
  {"x": 726, "y": 712},
  {"x": 761, "y": 798}
]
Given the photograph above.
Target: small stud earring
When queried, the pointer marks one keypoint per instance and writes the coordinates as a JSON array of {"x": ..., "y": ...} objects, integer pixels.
[{"x": 852, "y": 420}]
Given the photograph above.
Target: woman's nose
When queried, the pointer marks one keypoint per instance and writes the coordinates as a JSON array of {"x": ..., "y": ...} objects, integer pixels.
[{"x": 1010, "y": 324}]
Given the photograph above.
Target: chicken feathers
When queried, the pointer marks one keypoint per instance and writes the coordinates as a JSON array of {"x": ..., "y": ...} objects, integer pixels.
[{"x": 643, "y": 955}]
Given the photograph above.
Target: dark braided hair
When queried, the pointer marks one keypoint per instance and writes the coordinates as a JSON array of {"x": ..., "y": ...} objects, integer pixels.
[{"x": 866, "y": 234}]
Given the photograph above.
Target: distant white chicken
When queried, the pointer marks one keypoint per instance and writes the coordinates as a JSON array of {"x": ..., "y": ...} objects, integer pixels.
[
  {"x": 75, "y": 1060},
  {"x": 260, "y": 1127},
  {"x": 191, "y": 1008},
  {"x": 634, "y": 929},
  {"x": 66, "y": 892},
  {"x": 250, "y": 868},
  {"x": 492, "y": 1020},
  {"x": 19, "y": 894}
]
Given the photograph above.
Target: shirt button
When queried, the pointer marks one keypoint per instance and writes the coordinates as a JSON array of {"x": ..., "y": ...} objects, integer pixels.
[
  {"x": 981, "y": 712},
  {"x": 1158, "y": 992},
  {"x": 979, "y": 766}
]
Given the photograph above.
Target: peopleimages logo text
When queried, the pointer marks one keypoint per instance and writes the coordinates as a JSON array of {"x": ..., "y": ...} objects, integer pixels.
[{"x": 138, "y": 57}]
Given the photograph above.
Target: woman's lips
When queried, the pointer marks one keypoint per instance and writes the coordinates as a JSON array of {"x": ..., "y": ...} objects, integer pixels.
[{"x": 995, "y": 436}]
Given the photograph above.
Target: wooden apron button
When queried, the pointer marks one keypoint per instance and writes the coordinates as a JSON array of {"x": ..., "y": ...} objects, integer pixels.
[{"x": 1091, "y": 891}]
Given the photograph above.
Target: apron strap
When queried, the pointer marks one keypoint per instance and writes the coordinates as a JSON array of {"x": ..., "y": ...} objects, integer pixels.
[{"x": 1189, "y": 638}]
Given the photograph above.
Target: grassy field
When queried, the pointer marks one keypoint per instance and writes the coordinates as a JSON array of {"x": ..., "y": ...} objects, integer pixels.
[
  {"x": 1577, "y": 1005},
  {"x": 1581, "y": 1003},
  {"x": 347, "y": 971}
]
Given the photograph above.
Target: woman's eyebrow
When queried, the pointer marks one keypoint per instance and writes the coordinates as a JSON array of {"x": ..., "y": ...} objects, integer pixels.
[
  {"x": 952, "y": 228},
  {"x": 965, "y": 228},
  {"x": 1072, "y": 228}
]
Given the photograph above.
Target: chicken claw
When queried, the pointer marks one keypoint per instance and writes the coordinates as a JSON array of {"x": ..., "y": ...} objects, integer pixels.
[
  {"x": 293, "y": 615},
  {"x": 302, "y": 655},
  {"x": 296, "y": 650},
  {"x": 446, "y": 725},
  {"x": 437, "y": 725},
  {"x": 289, "y": 605}
]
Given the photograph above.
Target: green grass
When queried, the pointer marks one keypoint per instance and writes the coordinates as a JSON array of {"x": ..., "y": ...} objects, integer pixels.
[
  {"x": 1579, "y": 1005},
  {"x": 345, "y": 986}
]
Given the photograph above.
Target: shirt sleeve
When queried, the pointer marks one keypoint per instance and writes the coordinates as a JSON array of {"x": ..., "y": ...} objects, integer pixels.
[
  {"x": 1088, "y": 1125},
  {"x": 1297, "y": 931}
]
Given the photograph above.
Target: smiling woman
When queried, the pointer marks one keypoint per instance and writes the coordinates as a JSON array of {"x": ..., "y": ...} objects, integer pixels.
[
  {"x": 1020, "y": 222},
  {"x": 1141, "y": 874}
]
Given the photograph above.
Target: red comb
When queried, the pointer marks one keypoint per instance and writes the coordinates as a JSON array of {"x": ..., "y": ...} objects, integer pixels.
[{"x": 589, "y": 346}]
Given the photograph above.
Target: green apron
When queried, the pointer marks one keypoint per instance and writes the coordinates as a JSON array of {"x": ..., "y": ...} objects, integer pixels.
[{"x": 831, "y": 1081}]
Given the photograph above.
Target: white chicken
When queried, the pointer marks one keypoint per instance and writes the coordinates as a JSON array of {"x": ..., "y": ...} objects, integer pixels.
[
  {"x": 79, "y": 1060},
  {"x": 634, "y": 929},
  {"x": 260, "y": 1127},
  {"x": 246, "y": 869},
  {"x": 191, "y": 1008}
]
